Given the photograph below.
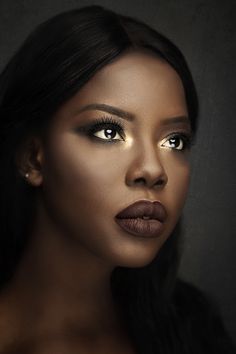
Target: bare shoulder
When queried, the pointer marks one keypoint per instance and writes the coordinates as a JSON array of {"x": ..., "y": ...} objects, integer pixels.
[{"x": 14, "y": 339}]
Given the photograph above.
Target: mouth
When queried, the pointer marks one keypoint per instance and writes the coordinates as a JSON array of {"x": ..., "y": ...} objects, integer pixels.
[{"x": 143, "y": 218}]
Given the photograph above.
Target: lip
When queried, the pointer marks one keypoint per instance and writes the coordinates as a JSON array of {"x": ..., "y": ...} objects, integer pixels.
[{"x": 131, "y": 219}]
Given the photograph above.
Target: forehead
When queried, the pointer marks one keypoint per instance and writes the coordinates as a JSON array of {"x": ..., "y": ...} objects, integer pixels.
[{"x": 138, "y": 82}]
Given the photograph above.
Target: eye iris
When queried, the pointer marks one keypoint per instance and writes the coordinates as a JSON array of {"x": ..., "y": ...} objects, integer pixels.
[
  {"x": 110, "y": 133},
  {"x": 174, "y": 142}
]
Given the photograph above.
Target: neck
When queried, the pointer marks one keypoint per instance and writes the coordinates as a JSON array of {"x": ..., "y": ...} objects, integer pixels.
[{"x": 61, "y": 285}]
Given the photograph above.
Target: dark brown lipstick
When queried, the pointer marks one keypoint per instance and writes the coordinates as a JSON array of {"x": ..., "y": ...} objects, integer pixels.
[{"x": 143, "y": 218}]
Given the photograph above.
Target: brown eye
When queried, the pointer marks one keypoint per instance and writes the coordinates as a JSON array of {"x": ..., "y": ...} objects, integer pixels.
[
  {"x": 108, "y": 134},
  {"x": 105, "y": 129},
  {"x": 177, "y": 142}
]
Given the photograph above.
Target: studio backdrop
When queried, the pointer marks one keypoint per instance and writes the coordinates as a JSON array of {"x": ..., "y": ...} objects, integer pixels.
[{"x": 205, "y": 31}]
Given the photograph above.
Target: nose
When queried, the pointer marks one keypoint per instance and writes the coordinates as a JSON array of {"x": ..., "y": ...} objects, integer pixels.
[{"x": 146, "y": 169}]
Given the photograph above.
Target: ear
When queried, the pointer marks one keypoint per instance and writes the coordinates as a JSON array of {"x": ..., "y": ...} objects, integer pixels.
[{"x": 29, "y": 160}]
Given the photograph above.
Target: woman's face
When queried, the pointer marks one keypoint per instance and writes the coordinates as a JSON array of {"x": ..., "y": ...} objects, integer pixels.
[{"x": 120, "y": 139}]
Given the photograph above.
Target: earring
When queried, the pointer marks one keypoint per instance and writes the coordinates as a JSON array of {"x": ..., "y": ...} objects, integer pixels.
[{"x": 27, "y": 175}]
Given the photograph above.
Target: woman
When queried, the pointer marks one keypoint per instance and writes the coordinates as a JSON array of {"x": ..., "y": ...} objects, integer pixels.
[{"x": 98, "y": 114}]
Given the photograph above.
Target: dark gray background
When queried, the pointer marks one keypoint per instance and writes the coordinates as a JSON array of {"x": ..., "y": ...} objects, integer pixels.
[{"x": 206, "y": 33}]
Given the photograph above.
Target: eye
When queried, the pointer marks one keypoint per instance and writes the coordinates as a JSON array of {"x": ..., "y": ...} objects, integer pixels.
[
  {"x": 108, "y": 133},
  {"x": 104, "y": 130},
  {"x": 177, "y": 141}
]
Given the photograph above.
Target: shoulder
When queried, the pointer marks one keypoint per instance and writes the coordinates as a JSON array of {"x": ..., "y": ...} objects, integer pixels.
[{"x": 201, "y": 320}]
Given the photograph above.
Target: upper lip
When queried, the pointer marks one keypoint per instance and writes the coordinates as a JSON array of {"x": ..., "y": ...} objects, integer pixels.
[{"x": 141, "y": 208}]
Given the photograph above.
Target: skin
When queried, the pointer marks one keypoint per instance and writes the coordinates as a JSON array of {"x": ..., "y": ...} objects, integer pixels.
[{"x": 62, "y": 283}]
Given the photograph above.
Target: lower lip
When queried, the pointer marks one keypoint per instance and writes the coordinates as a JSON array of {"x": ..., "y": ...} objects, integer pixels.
[{"x": 139, "y": 227}]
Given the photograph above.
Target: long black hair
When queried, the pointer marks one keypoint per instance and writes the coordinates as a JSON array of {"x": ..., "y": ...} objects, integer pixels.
[{"x": 53, "y": 63}]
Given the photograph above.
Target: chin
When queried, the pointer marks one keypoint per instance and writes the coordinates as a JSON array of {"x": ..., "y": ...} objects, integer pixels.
[{"x": 139, "y": 256}]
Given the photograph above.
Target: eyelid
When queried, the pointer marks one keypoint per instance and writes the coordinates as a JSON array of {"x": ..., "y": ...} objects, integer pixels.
[
  {"x": 187, "y": 138},
  {"x": 102, "y": 123},
  {"x": 106, "y": 121}
]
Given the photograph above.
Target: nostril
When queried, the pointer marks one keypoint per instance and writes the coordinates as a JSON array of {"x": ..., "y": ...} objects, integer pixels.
[
  {"x": 160, "y": 182},
  {"x": 140, "y": 180}
]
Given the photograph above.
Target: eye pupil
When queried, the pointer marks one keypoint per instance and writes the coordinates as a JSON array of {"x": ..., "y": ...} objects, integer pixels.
[
  {"x": 175, "y": 142},
  {"x": 110, "y": 133}
]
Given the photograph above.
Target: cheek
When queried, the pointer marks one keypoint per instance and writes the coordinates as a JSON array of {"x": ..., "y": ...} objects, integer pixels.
[
  {"x": 178, "y": 184},
  {"x": 79, "y": 177}
]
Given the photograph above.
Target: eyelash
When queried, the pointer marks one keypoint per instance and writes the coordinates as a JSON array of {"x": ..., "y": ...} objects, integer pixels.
[
  {"x": 110, "y": 123},
  {"x": 104, "y": 123},
  {"x": 185, "y": 137}
]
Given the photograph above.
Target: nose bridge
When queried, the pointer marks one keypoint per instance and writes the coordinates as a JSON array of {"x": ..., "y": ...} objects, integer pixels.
[{"x": 146, "y": 166}]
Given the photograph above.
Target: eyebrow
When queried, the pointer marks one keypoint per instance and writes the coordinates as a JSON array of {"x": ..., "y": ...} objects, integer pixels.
[
  {"x": 175, "y": 120},
  {"x": 129, "y": 116},
  {"x": 109, "y": 109}
]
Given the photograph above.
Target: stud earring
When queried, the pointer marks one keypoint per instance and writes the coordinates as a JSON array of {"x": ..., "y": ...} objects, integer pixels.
[{"x": 27, "y": 175}]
